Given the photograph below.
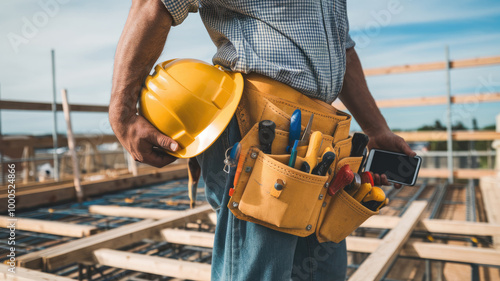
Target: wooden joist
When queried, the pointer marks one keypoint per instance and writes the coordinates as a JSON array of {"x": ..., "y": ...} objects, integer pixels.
[
  {"x": 427, "y": 101},
  {"x": 23, "y": 274},
  {"x": 132, "y": 212},
  {"x": 81, "y": 250},
  {"x": 379, "y": 261},
  {"x": 438, "y": 226},
  {"x": 490, "y": 189},
  {"x": 49, "y": 227},
  {"x": 458, "y": 174},
  {"x": 41, "y": 106},
  {"x": 442, "y": 135},
  {"x": 154, "y": 265},
  {"x": 432, "y": 66},
  {"x": 415, "y": 249},
  {"x": 51, "y": 194}
]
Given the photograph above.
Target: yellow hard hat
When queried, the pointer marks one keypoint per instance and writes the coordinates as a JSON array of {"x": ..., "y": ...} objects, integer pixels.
[{"x": 190, "y": 101}]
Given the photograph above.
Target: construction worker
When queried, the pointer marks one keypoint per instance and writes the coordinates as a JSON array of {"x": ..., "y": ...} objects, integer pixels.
[{"x": 303, "y": 44}]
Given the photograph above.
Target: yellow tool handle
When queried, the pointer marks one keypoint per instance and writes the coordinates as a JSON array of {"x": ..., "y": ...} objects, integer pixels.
[
  {"x": 313, "y": 150},
  {"x": 362, "y": 191}
]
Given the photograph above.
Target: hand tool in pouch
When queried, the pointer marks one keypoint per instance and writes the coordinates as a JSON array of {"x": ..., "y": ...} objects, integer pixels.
[
  {"x": 295, "y": 126},
  {"x": 366, "y": 177},
  {"x": 362, "y": 164},
  {"x": 266, "y": 135},
  {"x": 307, "y": 132},
  {"x": 323, "y": 166},
  {"x": 232, "y": 162},
  {"x": 359, "y": 142},
  {"x": 343, "y": 177},
  {"x": 293, "y": 155},
  {"x": 363, "y": 191},
  {"x": 375, "y": 199},
  {"x": 354, "y": 186},
  {"x": 311, "y": 158}
]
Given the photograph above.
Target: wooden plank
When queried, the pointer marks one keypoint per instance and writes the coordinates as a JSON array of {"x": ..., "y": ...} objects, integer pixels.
[
  {"x": 154, "y": 265},
  {"x": 71, "y": 146},
  {"x": 456, "y": 135},
  {"x": 81, "y": 250},
  {"x": 49, "y": 227},
  {"x": 379, "y": 261},
  {"x": 11, "y": 142},
  {"x": 490, "y": 189},
  {"x": 438, "y": 226},
  {"x": 458, "y": 174},
  {"x": 432, "y": 66},
  {"x": 429, "y": 101},
  {"x": 40, "y": 106},
  {"x": 185, "y": 237},
  {"x": 132, "y": 212},
  {"x": 415, "y": 249},
  {"x": 64, "y": 192},
  {"x": 23, "y": 274}
]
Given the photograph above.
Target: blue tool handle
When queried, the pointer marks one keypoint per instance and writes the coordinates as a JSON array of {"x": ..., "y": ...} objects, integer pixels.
[
  {"x": 293, "y": 155},
  {"x": 294, "y": 133}
]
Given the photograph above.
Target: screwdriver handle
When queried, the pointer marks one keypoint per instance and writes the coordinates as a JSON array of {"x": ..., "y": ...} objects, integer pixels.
[{"x": 343, "y": 178}]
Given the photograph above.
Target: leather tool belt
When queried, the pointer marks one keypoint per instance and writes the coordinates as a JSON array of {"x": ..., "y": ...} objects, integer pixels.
[{"x": 303, "y": 205}]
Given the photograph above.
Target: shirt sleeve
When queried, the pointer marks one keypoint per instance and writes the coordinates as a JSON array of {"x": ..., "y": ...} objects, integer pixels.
[
  {"x": 349, "y": 43},
  {"x": 179, "y": 9}
]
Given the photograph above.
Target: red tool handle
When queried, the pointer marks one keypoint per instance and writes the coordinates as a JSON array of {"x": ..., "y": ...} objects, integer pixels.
[
  {"x": 343, "y": 178},
  {"x": 366, "y": 177}
]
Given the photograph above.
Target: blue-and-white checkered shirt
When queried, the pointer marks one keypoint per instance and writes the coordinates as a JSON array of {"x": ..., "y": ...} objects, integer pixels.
[{"x": 299, "y": 43}]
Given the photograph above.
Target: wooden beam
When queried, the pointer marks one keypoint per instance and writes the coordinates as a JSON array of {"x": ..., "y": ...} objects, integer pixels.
[
  {"x": 23, "y": 274},
  {"x": 432, "y": 66},
  {"x": 458, "y": 174},
  {"x": 72, "y": 146},
  {"x": 40, "y": 106},
  {"x": 414, "y": 249},
  {"x": 81, "y": 250},
  {"x": 490, "y": 190},
  {"x": 154, "y": 265},
  {"x": 456, "y": 135},
  {"x": 186, "y": 237},
  {"x": 132, "y": 212},
  {"x": 379, "y": 261},
  {"x": 49, "y": 227},
  {"x": 427, "y": 101},
  {"x": 438, "y": 226},
  {"x": 11, "y": 142},
  {"x": 64, "y": 192}
]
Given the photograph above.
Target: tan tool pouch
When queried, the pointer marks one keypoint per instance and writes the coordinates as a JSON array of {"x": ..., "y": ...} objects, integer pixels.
[{"x": 269, "y": 192}]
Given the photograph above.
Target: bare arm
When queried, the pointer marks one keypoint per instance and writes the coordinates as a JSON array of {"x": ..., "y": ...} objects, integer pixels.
[
  {"x": 140, "y": 45},
  {"x": 359, "y": 101}
]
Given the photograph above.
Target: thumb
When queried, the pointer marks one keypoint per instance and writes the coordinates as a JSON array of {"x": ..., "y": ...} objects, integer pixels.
[
  {"x": 405, "y": 148},
  {"x": 162, "y": 141}
]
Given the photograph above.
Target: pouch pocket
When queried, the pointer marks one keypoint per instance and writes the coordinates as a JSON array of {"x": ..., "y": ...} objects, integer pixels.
[
  {"x": 281, "y": 195},
  {"x": 342, "y": 214}
]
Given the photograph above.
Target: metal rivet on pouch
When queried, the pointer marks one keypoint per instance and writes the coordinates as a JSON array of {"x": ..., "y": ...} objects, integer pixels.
[
  {"x": 235, "y": 204},
  {"x": 309, "y": 227},
  {"x": 320, "y": 196},
  {"x": 253, "y": 155},
  {"x": 279, "y": 185},
  {"x": 248, "y": 169},
  {"x": 324, "y": 204},
  {"x": 327, "y": 184}
]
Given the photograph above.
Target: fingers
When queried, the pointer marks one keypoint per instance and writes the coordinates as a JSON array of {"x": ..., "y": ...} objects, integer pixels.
[
  {"x": 405, "y": 148},
  {"x": 160, "y": 140}
]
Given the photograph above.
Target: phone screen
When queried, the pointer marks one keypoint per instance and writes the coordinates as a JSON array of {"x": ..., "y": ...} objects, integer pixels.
[{"x": 397, "y": 167}]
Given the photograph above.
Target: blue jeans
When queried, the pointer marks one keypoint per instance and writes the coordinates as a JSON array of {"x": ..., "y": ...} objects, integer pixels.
[{"x": 248, "y": 251}]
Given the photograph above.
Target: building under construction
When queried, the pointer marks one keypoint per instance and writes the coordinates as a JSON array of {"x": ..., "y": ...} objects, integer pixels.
[{"x": 92, "y": 213}]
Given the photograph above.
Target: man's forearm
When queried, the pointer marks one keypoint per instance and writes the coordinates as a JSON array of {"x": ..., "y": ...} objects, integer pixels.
[
  {"x": 358, "y": 99},
  {"x": 140, "y": 45}
]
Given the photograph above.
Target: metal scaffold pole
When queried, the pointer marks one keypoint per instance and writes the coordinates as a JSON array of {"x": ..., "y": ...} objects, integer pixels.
[
  {"x": 54, "y": 113},
  {"x": 448, "y": 116}
]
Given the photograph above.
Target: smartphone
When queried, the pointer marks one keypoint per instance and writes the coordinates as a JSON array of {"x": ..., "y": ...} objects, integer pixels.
[{"x": 398, "y": 167}]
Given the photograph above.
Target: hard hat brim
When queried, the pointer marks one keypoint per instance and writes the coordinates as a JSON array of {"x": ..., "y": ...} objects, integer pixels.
[{"x": 212, "y": 132}]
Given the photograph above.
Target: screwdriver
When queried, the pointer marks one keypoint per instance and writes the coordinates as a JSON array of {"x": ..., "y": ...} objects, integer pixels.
[
  {"x": 295, "y": 126},
  {"x": 343, "y": 178},
  {"x": 362, "y": 192},
  {"x": 354, "y": 186}
]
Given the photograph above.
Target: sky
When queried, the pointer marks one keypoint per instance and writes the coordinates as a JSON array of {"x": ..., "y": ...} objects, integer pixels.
[{"x": 84, "y": 35}]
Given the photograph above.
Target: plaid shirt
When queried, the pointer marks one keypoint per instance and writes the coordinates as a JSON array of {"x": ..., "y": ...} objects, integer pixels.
[{"x": 299, "y": 43}]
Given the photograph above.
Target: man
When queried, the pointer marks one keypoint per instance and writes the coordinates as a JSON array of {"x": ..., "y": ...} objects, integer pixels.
[{"x": 303, "y": 44}]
